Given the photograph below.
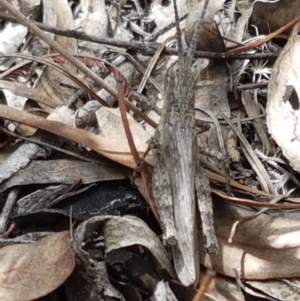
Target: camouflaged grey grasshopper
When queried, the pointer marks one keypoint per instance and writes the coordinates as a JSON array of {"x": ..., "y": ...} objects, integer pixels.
[{"x": 178, "y": 179}]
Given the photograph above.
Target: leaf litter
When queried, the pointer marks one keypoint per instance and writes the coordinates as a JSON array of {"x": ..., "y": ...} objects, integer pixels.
[{"x": 67, "y": 171}]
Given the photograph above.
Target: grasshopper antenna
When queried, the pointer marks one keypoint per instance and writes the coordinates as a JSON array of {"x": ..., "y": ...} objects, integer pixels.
[
  {"x": 178, "y": 30},
  {"x": 195, "y": 37}
]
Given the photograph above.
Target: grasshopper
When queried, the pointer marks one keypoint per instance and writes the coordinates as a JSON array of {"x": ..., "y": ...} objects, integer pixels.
[{"x": 178, "y": 180}]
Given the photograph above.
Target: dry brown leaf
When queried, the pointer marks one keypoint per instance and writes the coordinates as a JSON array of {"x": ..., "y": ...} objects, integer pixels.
[
  {"x": 97, "y": 143},
  {"x": 112, "y": 131},
  {"x": 30, "y": 271},
  {"x": 93, "y": 21},
  {"x": 283, "y": 101},
  {"x": 210, "y": 94},
  {"x": 265, "y": 247},
  {"x": 51, "y": 80},
  {"x": 269, "y": 16},
  {"x": 27, "y": 92}
]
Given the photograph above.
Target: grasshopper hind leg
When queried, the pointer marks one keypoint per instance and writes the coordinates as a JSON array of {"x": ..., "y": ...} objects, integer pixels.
[
  {"x": 206, "y": 210},
  {"x": 162, "y": 192}
]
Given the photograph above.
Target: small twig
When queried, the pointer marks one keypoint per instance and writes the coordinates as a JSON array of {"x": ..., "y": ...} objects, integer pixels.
[
  {"x": 140, "y": 47},
  {"x": 239, "y": 283},
  {"x": 260, "y": 85},
  {"x": 131, "y": 143},
  {"x": 258, "y": 204},
  {"x": 235, "y": 225},
  {"x": 152, "y": 63},
  {"x": 235, "y": 120},
  {"x": 204, "y": 285},
  {"x": 264, "y": 40}
]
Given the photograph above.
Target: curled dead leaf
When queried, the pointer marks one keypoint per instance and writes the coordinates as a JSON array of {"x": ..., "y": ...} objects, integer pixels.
[
  {"x": 283, "y": 101},
  {"x": 120, "y": 232}
]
